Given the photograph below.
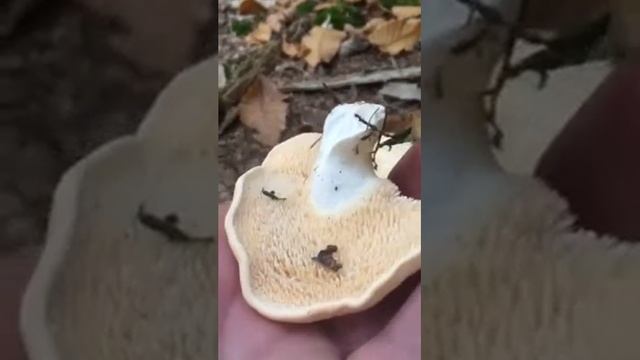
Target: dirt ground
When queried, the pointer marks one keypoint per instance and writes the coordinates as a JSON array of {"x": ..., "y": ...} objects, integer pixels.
[
  {"x": 238, "y": 149},
  {"x": 65, "y": 89}
]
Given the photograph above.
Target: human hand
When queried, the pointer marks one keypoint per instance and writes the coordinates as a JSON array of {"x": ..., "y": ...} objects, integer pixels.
[
  {"x": 593, "y": 162},
  {"x": 391, "y": 329}
]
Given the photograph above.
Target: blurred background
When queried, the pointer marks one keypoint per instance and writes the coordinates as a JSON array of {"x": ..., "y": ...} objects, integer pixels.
[{"x": 75, "y": 74}]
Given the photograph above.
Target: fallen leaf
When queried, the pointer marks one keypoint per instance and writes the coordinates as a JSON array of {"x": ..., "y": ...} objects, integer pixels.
[
  {"x": 260, "y": 35},
  {"x": 394, "y": 36},
  {"x": 267, "y": 4},
  {"x": 292, "y": 50},
  {"x": 246, "y": 7},
  {"x": 406, "y": 12},
  {"x": 275, "y": 21},
  {"x": 372, "y": 24},
  {"x": 401, "y": 90},
  {"x": 263, "y": 109},
  {"x": 321, "y": 45},
  {"x": 397, "y": 123}
]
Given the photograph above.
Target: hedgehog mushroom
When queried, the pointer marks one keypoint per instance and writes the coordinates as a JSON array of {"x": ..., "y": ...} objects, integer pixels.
[
  {"x": 315, "y": 232},
  {"x": 505, "y": 274}
]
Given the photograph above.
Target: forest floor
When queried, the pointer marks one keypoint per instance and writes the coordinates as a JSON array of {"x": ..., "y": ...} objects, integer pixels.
[{"x": 354, "y": 59}]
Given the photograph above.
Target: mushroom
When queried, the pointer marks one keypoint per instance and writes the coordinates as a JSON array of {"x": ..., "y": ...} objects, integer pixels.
[
  {"x": 387, "y": 157},
  {"x": 505, "y": 276},
  {"x": 315, "y": 232}
]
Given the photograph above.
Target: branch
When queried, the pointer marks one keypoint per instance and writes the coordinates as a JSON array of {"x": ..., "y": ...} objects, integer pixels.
[{"x": 354, "y": 79}]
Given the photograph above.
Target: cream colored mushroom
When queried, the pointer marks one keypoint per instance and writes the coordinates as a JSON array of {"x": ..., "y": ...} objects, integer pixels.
[
  {"x": 311, "y": 192},
  {"x": 505, "y": 274}
]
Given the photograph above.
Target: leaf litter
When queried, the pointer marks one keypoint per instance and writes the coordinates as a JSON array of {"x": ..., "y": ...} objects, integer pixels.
[{"x": 320, "y": 41}]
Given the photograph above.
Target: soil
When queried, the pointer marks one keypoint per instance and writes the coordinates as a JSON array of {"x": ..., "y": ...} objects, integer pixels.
[
  {"x": 64, "y": 91},
  {"x": 239, "y": 151}
]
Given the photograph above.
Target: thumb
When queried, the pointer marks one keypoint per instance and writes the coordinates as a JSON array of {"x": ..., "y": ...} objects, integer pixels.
[{"x": 406, "y": 173}]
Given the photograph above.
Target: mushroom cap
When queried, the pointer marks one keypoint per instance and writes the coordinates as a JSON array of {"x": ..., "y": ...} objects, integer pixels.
[{"x": 378, "y": 240}]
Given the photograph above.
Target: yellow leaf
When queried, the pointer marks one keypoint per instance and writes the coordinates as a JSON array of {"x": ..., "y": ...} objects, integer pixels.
[
  {"x": 275, "y": 21},
  {"x": 321, "y": 45},
  {"x": 372, "y": 25},
  {"x": 291, "y": 49},
  {"x": 394, "y": 36},
  {"x": 263, "y": 109},
  {"x": 406, "y": 12},
  {"x": 260, "y": 35}
]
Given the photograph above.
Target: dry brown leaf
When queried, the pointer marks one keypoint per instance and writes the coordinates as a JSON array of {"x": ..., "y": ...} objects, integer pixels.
[
  {"x": 247, "y": 7},
  {"x": 275, "y": 21},
  {"x": 394, "y": 36},
  {"x": 292, "y": 50},
  {"x": 263, "y": 109},
  {"x": 321, "y": 45},
  {"x": 260, "y": 35},
  {"x": 406, "y": 12},
  {"x": 398, "y": 123},
  {"x": 372, "y": 24}
]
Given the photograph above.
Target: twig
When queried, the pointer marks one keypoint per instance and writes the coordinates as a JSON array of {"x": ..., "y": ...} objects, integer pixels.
[
  {"x": 332, "y": 93},
  {"x": 168, "y": 226},
  {"x": 354, "y": 79},
  {"x": 229, "y": 117},
  {"x": 256, "y": 64},
  {"x": 262, "y": 61}
]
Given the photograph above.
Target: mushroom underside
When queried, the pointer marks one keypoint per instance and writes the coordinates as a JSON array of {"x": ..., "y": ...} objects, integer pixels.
[{"x": 279, "y": 235}]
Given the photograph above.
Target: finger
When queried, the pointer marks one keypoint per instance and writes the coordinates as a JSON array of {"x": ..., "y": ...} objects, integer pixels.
[
  {"x": 349, "y": 332},
  {"x": 400, "y": 339},
  {"x": 406, "y": 173},
  {"x": 248, "y": 335},
  {"x": 228, "y": 285},
  {"x": 593, "y": 163}
]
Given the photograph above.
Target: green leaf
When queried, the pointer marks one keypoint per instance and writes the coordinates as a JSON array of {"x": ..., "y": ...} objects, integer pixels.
[
  {"x": 241, "y": 27},
  {"x": 305, "y": 7},
  {"x": 341, "y": 14}
]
